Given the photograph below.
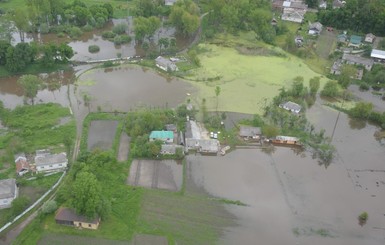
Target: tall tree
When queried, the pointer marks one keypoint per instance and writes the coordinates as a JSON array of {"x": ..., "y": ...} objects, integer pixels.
[
  {"x": 314, "y": 84},
  {"x": 86, "y": 194},
  {"x": 31, "y": 85},
  {"x": 217, "y": 93}
]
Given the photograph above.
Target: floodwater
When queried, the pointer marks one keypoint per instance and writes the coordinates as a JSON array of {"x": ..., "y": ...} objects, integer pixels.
[
  {"x": 291, "y": 199},
  {"x": 368, "y": 96},
  {"x": 108, "y": 49}
]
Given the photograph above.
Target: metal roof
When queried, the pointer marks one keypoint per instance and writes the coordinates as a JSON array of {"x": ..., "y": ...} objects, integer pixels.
[
  {"x": 248, "y": 131},
  {"x": 379, "y": 54},
  {"x": 162, "y": 135},
  {"x": 7, "y": 188},
  {"x": 66, "y": 214},
  {"x": 48, "y": 159}
]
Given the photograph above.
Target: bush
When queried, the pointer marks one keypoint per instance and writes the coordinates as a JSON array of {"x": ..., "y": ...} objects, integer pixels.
[
  {"x": 125, "y": 38},
  {"x": 18, "y": 206},
  {"x": 364, "y": 86},
  {"x": 75, "y": 32},
  {"x": 120, "y": 28},
  {"x": 87, "y": 28},
  {"x": 108, "y": 34},
  {"x": 93, "y": 48},
  {"x": 49, "y": 207},
  {"x": 61, "y": 35},
  {"x": 44, "y": 28}
]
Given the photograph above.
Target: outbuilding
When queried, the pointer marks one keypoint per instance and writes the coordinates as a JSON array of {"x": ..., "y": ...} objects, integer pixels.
[{"x": 67, "y": 216}]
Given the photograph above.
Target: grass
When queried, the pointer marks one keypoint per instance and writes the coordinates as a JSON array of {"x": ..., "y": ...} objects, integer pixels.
[{"x": 248, "y": 80}]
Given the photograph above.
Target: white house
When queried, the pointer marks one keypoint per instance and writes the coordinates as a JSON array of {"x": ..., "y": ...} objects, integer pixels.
[
  {"x": 169, "y": 2},
  {"x": 369, "y": 38},
  {"x": 291, "y": 106},
  {"x": 8, "y": 192},
  {"x": 378, "y": 55},
  {"x": 293, "y": 15},
  {"x": 315, "y": 28},
  {"x": 51, "y": 162},
  {"x": 165, "y": 64}
]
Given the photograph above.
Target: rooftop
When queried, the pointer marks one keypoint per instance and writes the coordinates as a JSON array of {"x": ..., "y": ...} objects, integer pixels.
[
  {"x": 162, "y": 135},
  {"x": 47, "y": 159},
  {"x": 291, "y": 106},
  {"x": 7, "y": 188},
  {"x": 355, "y": 39},
  {"x": 288, "y": 138},
  {"x": 379, "y": 54},
  {"x": 67, "y": 214},
  {"x": 357, "y": 59},
  {"x": 248, "y": 131}
]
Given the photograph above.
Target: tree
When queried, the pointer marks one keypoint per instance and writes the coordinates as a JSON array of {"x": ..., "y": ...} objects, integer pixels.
[
  {"x": 163, "y": 42},
  {"x": 330, "y": 89},
  {"x": 21, "y": 22},
  {"x": 312, "y": 3},
  {"x": 362, "y": 110},
  {"x": 18, "y": 205},
  {"x": 314, "y": 84},
  {"x": 270, "y": 131},
  {"x": 217, "y": 93},
  {"x": 184, "y": 16},
  {"x": 86, "y": 194},
  {"x": 31, "y": 85},
  {"x": 347, "y": 73}
]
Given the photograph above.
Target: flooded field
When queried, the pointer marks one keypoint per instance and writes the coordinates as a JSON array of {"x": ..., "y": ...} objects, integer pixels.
[
  {"x": 101, "y": 134},
  {"x": 291, "y": 199},
  {"x": 164, "y": 174}
]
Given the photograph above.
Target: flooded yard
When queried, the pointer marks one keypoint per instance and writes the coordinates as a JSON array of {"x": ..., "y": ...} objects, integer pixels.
[{"x": 101, "y": 134}]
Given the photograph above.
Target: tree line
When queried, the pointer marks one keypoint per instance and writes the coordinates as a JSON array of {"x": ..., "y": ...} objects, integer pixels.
[
  {"x": 357, "y": 15},
  {"x": 19, "y": 57}
]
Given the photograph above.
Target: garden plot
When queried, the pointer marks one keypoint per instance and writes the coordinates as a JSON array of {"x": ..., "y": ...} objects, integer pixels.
[
  {"x": 155, "y": 174},
  {"x": 53, "y": 238},
  {"x": 124, "y": 147},
  {"x": 101, "y": 134}
]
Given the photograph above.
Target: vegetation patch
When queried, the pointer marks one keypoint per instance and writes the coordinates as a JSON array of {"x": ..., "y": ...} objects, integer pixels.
[
  {"x": 266, "y": 74},
  {"x": 93, "y": 48}
]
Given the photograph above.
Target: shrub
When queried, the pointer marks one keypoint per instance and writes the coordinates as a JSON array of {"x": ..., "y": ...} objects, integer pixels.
[
  {"x": 108, "y": 64},
  {"x": 364, "y": 86},
  {"x": 49, "y": 207},
  {"x": 44, "y": 28},
  {"x": 75, "y": 32},
  {"x": 87, "y": 28},
  {"x": 125, "y": 38},
  {"x": 108, "y": 34},
  {"x": 120, "y": 28},
  {"x": 117, "y": 40},
  {"x": 93, "y": 48},
  {"x": 61, "y": 35}
]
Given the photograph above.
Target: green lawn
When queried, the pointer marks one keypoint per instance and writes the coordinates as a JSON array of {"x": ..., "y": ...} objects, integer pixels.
[{"x": 247, "y": 82}]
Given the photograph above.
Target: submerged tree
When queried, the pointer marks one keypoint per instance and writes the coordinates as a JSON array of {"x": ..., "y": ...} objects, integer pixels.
[
  {"x": 31, "y": 85},
  {"x": 217, "y": 93}
]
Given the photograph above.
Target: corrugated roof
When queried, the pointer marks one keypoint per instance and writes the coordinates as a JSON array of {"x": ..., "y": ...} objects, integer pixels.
[
  {"x": 162, "y": 135},
  {"x": 379, "y": 54},
  {"x": 48, "y": 159},
  {"x": 248, "y": 131},
  {"x": 355, "y": 39}
]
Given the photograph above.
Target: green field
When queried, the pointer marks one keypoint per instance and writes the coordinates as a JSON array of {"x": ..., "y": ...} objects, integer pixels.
[{"x": 247, "y": 82}]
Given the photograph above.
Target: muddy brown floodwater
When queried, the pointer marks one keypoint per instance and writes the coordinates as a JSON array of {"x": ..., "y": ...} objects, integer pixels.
[{"x": 291, "y": 199}]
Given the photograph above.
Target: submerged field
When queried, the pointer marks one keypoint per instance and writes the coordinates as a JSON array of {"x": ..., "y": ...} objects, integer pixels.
[{"x": 247, "y": 81}]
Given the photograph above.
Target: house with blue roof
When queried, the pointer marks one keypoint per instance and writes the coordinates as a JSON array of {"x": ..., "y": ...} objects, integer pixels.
[
  {"x": 164, "y": 136},
  {"x": 355, "y": 41}
]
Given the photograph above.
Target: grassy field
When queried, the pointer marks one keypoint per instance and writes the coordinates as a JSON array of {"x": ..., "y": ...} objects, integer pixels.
[{"x": 247, "y": 82}]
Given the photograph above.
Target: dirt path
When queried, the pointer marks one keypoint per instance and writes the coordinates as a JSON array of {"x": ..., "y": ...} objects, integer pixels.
[{"x": 124, "y": 147}]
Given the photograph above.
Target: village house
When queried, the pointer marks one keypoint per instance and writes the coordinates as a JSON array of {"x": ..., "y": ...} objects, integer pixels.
[
  {"x": 378, "y": 55},
  {"x": 165, "y": 64},
  {"x": 170, "y": 149},
  {"x": 66, "y": 216},
  {"x": 299, "y": 41},
  {"x": 370, "y": 37},
  {"x": 194, "y": 141},
  {"x": 322, "y": 4},
  {"x": 355, "y": 41},
  {"x": 47, "y": 162},
  {"x": 342, "y": 38},
  {"x": 22, "y": 165},
  {"x": 293, "y": 15},
  {"x": 336, "y": 67},
  {"x": 164, "y": 136},
  {"x": 285, "y": 140},
  {"x": 351, "y": 59},
  {"x": 8, "y": 192},
  {"x": 169, "y": 2},
  {"x": 315, "y": 28},
  {"x": 250, "y": 133},
  {"x": 291, "y": 106}
]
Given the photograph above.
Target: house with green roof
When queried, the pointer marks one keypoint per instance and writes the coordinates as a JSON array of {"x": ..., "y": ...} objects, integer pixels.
[
  {"x": 355, "y": 41},
  {"x": 164, "y": 136}
]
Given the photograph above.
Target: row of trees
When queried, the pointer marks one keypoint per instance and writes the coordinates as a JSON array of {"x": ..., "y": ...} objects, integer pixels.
[
  {"x": 244, "y": 15},
  {"x": 17, "y": 58},
  {"x": 358, "y": 15},
  {"x": 41, "y": 14}
]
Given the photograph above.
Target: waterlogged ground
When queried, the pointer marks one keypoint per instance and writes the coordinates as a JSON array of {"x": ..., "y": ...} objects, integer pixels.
[{"x": 246, "y": 81}]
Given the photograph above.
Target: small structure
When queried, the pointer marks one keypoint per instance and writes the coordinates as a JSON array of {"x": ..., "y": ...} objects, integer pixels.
[
  {"x": 315, "y": 28},
  {"x": 22, "y": 165},
  {"x": 66, "y": 216},
  {"x": 336, "y": 67},
  {"x": 360, "y": 74},
  {"x": 322, "y": 4},
  {"x": 370, "y": 37},
  {"x": 342, "y": 38},
  {"x": 205, "y": 146},
  {"x": 170, "y": 149},
  {"x": 274, "y": 22},
  {"x": 8, "y": 192},
  {"x": 285, "y": 140},
  {"x": 298, "y": 41},
  {"x": 164, "y": 136},
  {"x": 248, "y": 132},
  {"x": 171, "y": 127},
  {"x": 293, "y": 15},
  {"x": 165, "y": 64},
  {"x": 47, "y": 162},
  {"x": 169, "y": 2},
  {"x": 378, "y": 55},
  {"x": 358, "y": 60},
  {"x": 291, "y": 106},
  {"x": 355, "y": 41},
  {"x": 338, "y": 4}
]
